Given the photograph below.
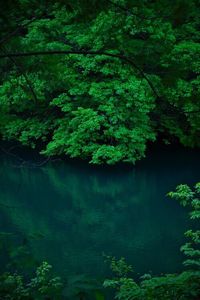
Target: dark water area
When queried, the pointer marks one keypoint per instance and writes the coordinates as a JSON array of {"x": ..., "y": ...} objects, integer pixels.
[{"x": 69, "y": 213}]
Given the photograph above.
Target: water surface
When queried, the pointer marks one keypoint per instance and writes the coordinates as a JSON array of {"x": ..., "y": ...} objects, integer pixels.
[{"x": 69, "y": 213}]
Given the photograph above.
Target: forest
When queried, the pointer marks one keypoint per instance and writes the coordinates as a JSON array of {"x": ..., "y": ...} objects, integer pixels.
[{"x": 99, "y": 83}]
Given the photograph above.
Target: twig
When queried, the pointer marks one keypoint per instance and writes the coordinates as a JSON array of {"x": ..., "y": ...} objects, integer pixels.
[{"x": 24, "y": 162}]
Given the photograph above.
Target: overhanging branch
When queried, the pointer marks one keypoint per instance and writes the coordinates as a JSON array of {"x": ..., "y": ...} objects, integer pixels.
[
  {"x": 78, "y": 52},
  {"x": 18, "y": 66},
  {"x": 119, "y": 56}
]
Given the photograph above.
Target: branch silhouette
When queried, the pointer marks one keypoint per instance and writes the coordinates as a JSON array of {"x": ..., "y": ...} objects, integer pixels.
[
  {"x": 20, "y": 69},
  {"x": 79, "y": 52}
]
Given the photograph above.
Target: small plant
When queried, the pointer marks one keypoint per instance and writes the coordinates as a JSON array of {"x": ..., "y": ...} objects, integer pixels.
[
  {"x": 119, "y": 267},
  {"x": 42, "y": 286},
  {"x": 183, "y": 286}
]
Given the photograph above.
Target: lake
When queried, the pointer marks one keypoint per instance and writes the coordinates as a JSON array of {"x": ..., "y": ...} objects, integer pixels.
[{"x": 69, "y": 213}]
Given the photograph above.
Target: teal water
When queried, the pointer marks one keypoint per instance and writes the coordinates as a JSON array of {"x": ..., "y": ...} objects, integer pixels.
[{"x": 69, "y": 213}]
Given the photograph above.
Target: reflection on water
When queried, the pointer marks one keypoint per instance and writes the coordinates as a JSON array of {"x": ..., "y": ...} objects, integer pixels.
[{"x": 70, "y": 213}]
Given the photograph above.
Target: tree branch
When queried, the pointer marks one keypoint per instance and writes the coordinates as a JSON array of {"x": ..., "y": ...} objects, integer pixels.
[
  {"x": 78, "y": 52},
  {"x": 23, "y": 74}
]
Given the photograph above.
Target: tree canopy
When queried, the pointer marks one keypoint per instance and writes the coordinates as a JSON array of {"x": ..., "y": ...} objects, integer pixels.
[{"x": 100, "y": 79}]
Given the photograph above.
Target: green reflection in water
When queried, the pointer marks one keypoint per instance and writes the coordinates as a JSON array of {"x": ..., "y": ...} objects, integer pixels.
[{"x": 69, "y": 213}]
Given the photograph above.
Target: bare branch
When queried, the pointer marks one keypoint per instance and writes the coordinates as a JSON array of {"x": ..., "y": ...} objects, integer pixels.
[{"x": 22, "y": 162}]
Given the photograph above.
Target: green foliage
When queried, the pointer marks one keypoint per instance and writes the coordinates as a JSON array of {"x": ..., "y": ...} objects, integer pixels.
[
  {"x": 119, "y": 267},
  {"x": 183, "y": 194},
  {"x": 184, "y": 286},
  {"x": 21, "y": 284},
  {"x": 14, "y": 286},
  {"x": 96, "y": 107},
  {"x": 186, "y": 196},
  {"x": 27, "y": 131}
]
